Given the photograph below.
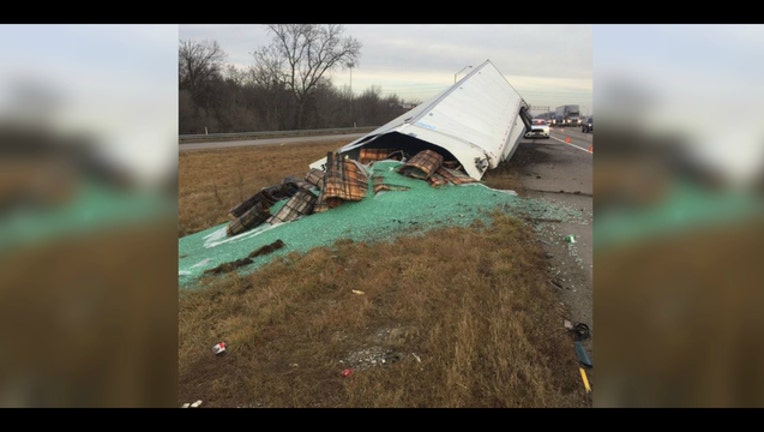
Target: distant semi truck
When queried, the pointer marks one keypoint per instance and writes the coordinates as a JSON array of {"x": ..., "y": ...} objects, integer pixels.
[{"x": 567, "y": 115}]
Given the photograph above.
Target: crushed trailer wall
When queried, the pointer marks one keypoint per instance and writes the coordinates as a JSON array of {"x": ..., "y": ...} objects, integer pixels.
[{"x": 478, "y": 121}]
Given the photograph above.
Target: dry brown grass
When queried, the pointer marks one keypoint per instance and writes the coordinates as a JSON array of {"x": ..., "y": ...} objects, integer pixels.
[
  {"x": 464, "y": 317},
  {"x": 684, "y": 319},
  {"x": 213, "y": 181},
  {"x": 91, "y": 319},
  {"x": 486, "y": 331},
  {"x": 505, "y": 176}
]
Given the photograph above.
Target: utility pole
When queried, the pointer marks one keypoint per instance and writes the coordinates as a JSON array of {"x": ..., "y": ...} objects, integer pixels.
[{"x": 350, "y": 66}]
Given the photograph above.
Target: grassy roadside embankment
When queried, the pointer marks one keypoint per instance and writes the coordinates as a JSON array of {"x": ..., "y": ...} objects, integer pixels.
[{"x": 457, "y": 317}]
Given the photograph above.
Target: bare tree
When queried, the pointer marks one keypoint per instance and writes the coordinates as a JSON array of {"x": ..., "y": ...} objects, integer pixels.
[
  {"x": 198, "y": 62},
  {"x": 300, "y": 55}
]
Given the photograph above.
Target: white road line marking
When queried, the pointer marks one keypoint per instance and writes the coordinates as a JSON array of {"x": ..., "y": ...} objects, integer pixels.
[{"x": 572, "y": 145}]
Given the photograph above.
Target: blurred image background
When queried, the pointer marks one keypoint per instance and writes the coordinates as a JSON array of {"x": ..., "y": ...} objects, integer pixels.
[
  {"x": 678, "y": 203},
  {"x": 88, "y": 221},
  {"x": 88, "y": 250}
]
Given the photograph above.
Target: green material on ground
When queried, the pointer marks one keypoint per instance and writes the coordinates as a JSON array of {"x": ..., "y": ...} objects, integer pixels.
[
  {"x": 380, "y": 217},
  {"x": 686, "y": 208},
  {"x": 94, "y": 206}
]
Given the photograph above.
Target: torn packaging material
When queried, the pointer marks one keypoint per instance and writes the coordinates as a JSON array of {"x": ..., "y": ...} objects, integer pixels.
[
  {"x": 429, "y": 165},
  {"x": 375, "y": 218},
  {"x": 321, "y": 205},
  {"x": 345, "y": 180},
  {"x": 380, "y": 185},
  {"x": 301, "y": 204},
  {"x": 292, "y": 185},
  {"x": 367, "y": 155},
  {"x": 315, "y": 177},
  {"x": 250, "y": 219},
  {"x": 444, "y": 175},
  {"x": 268, "y": 196},
  {"x": 422, "y": 165},
  {"x": 256, "y": 209},
  {"x": 271, "y": 194},
  {"x": 227, "y": 267},
  {"x": 436, "y": 180}
]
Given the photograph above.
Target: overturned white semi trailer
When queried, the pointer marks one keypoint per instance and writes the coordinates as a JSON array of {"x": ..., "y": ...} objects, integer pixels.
[{"x": 478, "y": 122}]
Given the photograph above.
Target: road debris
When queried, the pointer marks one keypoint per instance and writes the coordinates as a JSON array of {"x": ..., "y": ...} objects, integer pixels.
[
  {"x": 585, "y": 380},
  {"x": 278, "y": 244},
  {"x": 422, "y": 165},
  {"x": 219, "y": 348},
  {"x": 227, "y": 267},
  {"x": 380, "y": 216},
  {"x": 583, "y": 355},
  {"x": 373, "y": 356},
  {"x": 581, "y": 331}
]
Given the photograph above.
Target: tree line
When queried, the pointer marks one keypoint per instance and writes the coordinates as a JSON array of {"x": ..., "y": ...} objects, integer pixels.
[{"x": 286, "y": 88}]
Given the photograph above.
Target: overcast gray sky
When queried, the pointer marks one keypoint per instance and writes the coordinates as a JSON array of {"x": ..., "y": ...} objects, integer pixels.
[
  {"x": 690, "y": 79},
  {"x": 120, "y": 81},
  {"x": 549, "y": 65}
]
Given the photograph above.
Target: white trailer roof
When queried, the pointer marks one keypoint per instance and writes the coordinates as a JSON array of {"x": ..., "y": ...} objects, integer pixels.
[{"x": 478, "y": 120}]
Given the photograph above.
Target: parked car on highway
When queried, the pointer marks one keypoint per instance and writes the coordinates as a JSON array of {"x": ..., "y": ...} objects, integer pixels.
[
  {"x": 539, "y": 129},
  {"x": 588, "y": 125}
]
